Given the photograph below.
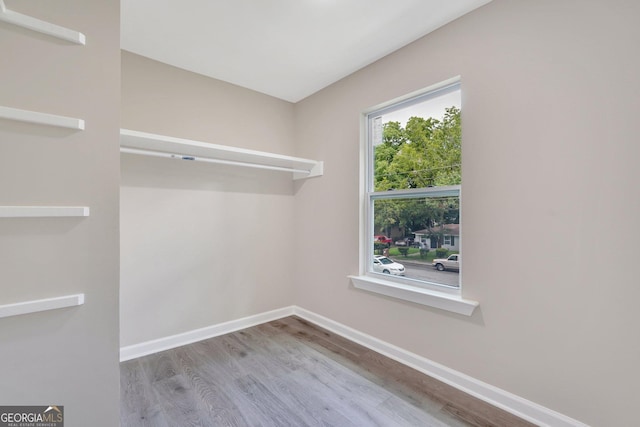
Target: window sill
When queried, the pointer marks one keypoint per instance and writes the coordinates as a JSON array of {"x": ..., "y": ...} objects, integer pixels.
[{"x": 441, "y": 300}]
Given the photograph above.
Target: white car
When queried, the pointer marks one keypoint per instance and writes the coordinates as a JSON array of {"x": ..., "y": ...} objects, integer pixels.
[
  {"x": 382, "y": 264},
  {"x": 451, "y": 263}
]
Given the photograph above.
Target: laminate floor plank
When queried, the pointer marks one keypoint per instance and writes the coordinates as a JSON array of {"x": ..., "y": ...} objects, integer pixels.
[
  {"x": 290, "y": 372},
  {"x": 404, "y": 414},
  {"x": 158, "y": 366},
  {"x": 273, "y": 377},
  {"x": 281, "y": 377},
  {"x": 330, "y": 405},
  {"x": 302, "y": 331},
  {"x": 253, "y": 385},
  {"x": 360, "y": 408},
  {"x": 222, "y": 397},
  {"x": 212, "y": 394},
  {"x": 346, "y": 381},
  {"x": 138, "y": 403},
  {"x": 404, "y": 381},
  {"x": 375, "y": 373}
]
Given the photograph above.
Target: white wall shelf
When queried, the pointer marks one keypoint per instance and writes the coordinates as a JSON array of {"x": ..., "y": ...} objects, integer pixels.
[
  {"x": 16, "y": 114},
  {"x": 43, "y": 211},
  {"x": 35, "y": 306},
  {"x": 39, "y": 26},
  {"x": 134, "y": 142}
]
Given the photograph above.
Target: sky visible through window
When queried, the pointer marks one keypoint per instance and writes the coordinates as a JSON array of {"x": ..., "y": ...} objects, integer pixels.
[{"x": 434, "y": 108}]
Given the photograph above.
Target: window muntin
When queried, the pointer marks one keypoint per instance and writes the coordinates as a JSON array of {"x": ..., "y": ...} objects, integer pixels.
[{"x": 413, "y": 184}]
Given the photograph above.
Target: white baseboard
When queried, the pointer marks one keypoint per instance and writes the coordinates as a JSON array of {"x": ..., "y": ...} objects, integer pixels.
[
  {"x": 189, "y": 337},
  {"x": 509, "y": 402}
]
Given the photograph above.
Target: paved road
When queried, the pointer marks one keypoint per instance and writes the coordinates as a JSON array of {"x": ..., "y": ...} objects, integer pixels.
[{"x": 430, "y": 274}]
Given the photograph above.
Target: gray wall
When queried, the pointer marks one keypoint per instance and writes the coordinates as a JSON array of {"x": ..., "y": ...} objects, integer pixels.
[
  {"x": 201, "y": 244},
  {"x": 68, "y": 356},
  {"x": 550, "y": 202}
]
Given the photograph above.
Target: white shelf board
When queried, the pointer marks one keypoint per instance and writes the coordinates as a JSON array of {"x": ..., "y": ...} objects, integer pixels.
[
  {"x": 135, "y": 142},
  {"x": 39, "y": 26},
  {"x": 16, "y": 114},
  {"x": 35, "y": 306},
  {"x": 43, "y": 211}
]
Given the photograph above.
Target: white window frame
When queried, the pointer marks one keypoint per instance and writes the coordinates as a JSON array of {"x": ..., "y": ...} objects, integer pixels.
[{"x": 420, "y": 292}]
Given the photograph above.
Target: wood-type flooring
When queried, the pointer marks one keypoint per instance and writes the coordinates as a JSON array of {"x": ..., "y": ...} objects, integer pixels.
[{"x": 290, "y": 372}]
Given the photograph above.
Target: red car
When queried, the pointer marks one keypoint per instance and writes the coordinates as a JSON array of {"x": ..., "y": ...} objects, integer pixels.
[{"x": 382, "y": 239}]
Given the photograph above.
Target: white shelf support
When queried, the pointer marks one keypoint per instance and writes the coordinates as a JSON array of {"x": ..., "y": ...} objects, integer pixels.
[
  {"x": 141, "y": 143},
  {"x": 35, "y": 306},
  {"x": 43, "y": 211},
  {"x": 27, "y": 116},
  {"x": 39, "y": 26}
]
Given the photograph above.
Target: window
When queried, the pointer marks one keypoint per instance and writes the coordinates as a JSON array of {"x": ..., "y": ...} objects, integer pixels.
[{"x": 412, "y": 194}]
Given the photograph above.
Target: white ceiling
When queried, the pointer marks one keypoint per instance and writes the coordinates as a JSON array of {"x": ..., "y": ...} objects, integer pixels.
[{"x": 285, "y": 48}]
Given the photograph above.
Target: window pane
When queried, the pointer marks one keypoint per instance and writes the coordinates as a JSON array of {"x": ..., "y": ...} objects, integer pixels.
[
  {"x": 418, "y": 146},
  {"x": 413, "y": 237}
]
